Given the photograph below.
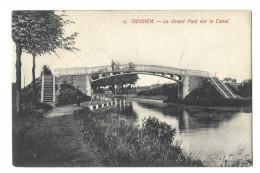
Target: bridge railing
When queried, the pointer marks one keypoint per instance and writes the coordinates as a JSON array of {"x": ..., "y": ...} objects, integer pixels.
[{"x": 138, "y": 68}]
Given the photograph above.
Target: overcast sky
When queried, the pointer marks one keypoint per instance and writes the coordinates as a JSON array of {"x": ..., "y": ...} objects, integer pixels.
[{"x": 224, "y": 48}]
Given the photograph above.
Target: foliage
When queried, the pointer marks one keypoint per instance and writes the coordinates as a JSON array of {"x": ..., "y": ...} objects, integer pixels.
[
  {"x": 46, "y": 70},
  {"x": 29, "y": 116},
  {"x": 120, "y": 143},
  {"x": 204, "y": 91},
  {"x": 207, "y": 95},
  {"x": 37, "y": 33},
  {"x": 228, "y": 79},
  {"x": 41, "y": 32},
  {"x": 121, "y": 81},
  {"x": 158, "y": 130},
  {"x": 169, "y": 90},
  {"x": 229, "y": 161},
  {"x": 246, "y": 88},
  {"x": 68, "y": 95},
  {"x": 29, "y": 107},
  {"x": 27, "y": 95}
]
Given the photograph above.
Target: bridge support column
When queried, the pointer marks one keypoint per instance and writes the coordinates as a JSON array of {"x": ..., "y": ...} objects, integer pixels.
[
  {"x": 184, "y": 87},
  {"x": 88, "y": 86}
]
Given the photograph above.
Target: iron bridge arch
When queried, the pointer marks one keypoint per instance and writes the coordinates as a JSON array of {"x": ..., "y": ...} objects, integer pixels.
[{"x": 100, "y": 76}]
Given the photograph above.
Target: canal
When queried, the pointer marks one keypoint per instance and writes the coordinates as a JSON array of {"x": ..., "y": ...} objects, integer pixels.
[{"x": 203, "y": 131}]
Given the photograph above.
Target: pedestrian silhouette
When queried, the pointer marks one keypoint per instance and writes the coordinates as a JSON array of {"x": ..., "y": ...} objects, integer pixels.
[
  {"x": 78, "y": 96},
  {"x": 113, "y": 65}
]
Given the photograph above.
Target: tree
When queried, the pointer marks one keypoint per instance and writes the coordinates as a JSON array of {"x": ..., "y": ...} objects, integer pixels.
[
  {"x": 233, "y": 80},
  {"x": 120, "y": 80},
  {"x": 246, "y": 88},
  {"x": 46, "y": 70},
  {"x": 37, "y": 33},
  {"x": 229, "y": 79}
]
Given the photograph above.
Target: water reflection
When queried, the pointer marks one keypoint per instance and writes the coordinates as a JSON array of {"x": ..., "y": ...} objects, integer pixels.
[{"x": 202, "y": 130}]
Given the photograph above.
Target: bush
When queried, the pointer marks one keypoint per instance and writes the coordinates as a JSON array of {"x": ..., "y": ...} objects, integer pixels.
[
  {"x": 246, "y": 88},
  {"x": 27, "y": 97},
  {"x": 46, "y": 107},
  {"x": 68, "y": 95},
  {"x": 46, "y": 70},
  {"x": 30, "y": 116},
  {"x": 158, "y": 130}
]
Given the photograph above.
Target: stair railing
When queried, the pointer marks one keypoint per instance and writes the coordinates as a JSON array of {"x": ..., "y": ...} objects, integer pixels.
[
  {"x": 227, "y": 88},
  {"x": 219, "y": 87}
]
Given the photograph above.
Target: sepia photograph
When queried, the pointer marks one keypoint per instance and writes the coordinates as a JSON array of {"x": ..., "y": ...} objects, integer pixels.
[{"x": 132, "y": 88}]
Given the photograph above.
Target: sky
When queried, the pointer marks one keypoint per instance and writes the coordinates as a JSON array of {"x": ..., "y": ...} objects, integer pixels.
[{"x": 221, "y": 48}]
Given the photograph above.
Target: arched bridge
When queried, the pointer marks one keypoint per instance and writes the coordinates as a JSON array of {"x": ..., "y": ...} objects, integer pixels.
[
  {"x": 189, "y": 79},
  {"x": 163, "y": 71}
]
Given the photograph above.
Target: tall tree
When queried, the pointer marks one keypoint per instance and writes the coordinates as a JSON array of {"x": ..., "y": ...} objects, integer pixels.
[
  {"x": 20, "y": 37},
  {"x": 37, "y": 33}
]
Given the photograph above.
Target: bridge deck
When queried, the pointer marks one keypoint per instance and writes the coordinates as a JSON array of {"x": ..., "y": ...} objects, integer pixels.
[{"x": 122, "y": 68}]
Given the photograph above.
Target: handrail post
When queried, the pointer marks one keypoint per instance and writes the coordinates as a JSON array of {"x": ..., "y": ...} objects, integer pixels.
[
  {"x": 42, "y": 89},
  {"x": 54, "y": 88}
]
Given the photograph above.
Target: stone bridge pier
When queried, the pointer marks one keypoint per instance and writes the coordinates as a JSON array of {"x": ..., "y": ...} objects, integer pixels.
[
  {"x": 188, "y": 84},
  {"x": 89, "y": 90}
]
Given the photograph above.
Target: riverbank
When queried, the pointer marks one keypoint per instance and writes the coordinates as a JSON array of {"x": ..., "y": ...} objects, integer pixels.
[
  {"x": 205, "y": 95},
  {"x": 191, "y": 108},
  {"x": 102, "y": 138},
  {"x": 158, "y": 97},
  {"x": 118, "y": 142}
]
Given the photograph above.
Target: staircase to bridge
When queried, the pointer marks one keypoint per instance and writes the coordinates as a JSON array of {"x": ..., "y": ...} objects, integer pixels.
[
  {"x": 223, "y": 88},
  {"x": 48, "y": 89}
]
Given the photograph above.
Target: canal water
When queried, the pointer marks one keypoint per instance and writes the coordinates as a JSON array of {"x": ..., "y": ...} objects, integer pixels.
[{"x": 204, "y": 132}]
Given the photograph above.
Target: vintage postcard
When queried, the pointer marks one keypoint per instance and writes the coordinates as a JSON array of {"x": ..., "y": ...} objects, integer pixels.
[{"x": 132, "y": 89}]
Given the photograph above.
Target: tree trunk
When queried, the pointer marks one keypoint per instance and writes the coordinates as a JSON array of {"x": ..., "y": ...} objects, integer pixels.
[
  {"x": 33, "y": 77},
  {"x": 18, "y": 77}
]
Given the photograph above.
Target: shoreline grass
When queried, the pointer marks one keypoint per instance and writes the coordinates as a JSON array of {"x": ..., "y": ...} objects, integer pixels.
[{"x": 119, "y": 143}]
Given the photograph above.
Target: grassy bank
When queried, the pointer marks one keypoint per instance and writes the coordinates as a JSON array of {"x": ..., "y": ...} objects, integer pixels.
[
  {"x": 158, "y": 97},
  {"x": 30, "y": 117},
  {"x": 40, "y": 141},
  {"x": 117, "y": 142}
]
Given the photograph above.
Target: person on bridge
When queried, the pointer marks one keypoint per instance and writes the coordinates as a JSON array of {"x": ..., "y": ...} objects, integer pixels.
[
  {"x": 113, "y": 65},
  {"x": 78, "y": 96}
]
